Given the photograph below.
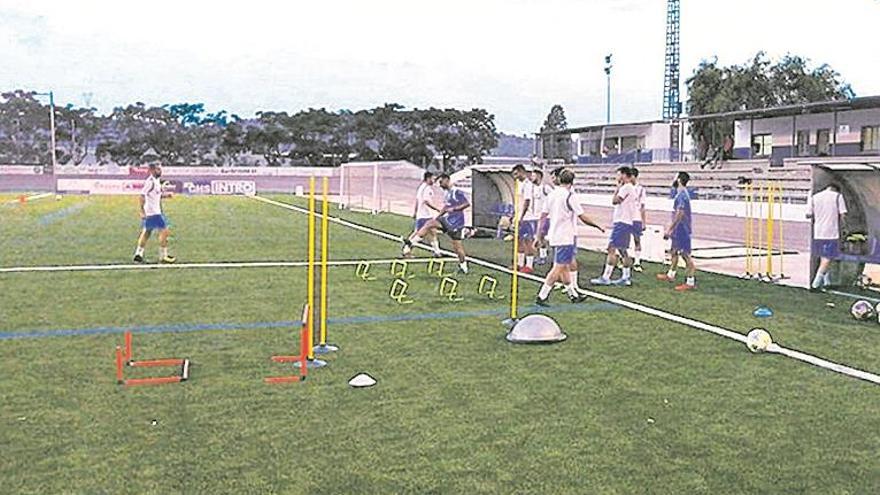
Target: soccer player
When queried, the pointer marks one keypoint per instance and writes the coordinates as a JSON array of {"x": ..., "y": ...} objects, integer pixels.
[
  {"x": 541, "y": 191},
  {"x": 425, "y": 210},
  {"x": 680, "y": 233},
  {"x": 528, "y": 219},
  {"x": 450, "y": 221},
  {"x": 625, "y": 212},
  {"x": 828, "y": 211},
  {"x": 152, "y": 217},
  {"x": 639, "y": 223},
  {"x": 562, "y": 211}
]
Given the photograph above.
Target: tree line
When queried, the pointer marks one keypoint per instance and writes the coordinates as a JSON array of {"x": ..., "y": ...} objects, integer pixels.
[{"x": 185, "y": 134}]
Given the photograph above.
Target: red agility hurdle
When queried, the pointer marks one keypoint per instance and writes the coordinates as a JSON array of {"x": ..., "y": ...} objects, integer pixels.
[
  {"x": 301, "y": 358},
  {"x": 125, "y": 358}
]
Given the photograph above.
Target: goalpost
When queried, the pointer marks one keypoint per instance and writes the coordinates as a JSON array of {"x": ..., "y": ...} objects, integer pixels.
[{"x": 360, "y": 187}]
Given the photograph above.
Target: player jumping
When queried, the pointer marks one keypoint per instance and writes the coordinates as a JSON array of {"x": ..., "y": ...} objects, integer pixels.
[
  {"x": 562, "y": 211},
  {"x": 450, "y": 221},
  {"x": 425, "y": 210},
  {"x": 152, "y": 217}
]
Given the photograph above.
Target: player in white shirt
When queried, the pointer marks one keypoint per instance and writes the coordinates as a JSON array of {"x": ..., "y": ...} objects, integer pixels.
[
  {"x": 639, "y": 223},
  {"x": 424, "y": 210},
  {"x": 528, "y": 220},
  {"x": 562, "y": 211},
  {"x": 541, "y": 191},
  {"x": 827, "y": 209},
  {"x": 626, "y": 207},
  {"x": 151, "y": 216}
]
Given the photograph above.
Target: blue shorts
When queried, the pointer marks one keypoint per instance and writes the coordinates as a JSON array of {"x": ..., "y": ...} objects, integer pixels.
[
  {"x": 155, "y": 222},
  {"x": 564, "y": 255},
  {"x": 420, "y": 222},
  {"x": 681, "y": 243},
  {"x": 545, "y": 230},
  {"x": 638, "y": 228},
  {"x": 826, "y": 248},
  {"x": 620, "y": 236},
  {"x": 527, "y": 229}
]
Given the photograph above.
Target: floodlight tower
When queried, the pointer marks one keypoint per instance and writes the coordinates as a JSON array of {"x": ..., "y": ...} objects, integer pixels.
[{"x": 671, "y": 83}]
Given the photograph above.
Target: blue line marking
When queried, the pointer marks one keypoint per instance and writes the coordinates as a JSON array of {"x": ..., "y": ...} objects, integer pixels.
[
  {"x": 59, "y": 215},
  {"x": 348, "y": 320}
]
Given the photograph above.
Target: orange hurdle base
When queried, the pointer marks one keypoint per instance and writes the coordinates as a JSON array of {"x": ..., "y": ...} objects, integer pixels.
[{"x": 123, "y": 358}]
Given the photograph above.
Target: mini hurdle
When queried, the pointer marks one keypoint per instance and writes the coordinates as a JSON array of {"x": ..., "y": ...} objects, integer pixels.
[
  {"x": 487, "y": 287},
  {"x": 436, "y": 267},
  {"x": 125, "y": 358},
  {"x": 300, "y": 358},
  {"x": 398, "y": 292},
  {"x": 399, "y": 269},
  {"x": 363, "y": 271},
  {"x": 448, "y": 288}
]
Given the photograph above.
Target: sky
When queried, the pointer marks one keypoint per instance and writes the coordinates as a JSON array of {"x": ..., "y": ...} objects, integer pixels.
[{"x": 515, "y": 58}]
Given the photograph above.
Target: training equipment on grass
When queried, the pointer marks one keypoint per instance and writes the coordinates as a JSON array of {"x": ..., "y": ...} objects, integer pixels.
[
  {"x": 762, "y": 312},
  {"x": 399, "y": 269},
  {"x": 311, "y": 362},
  {"x": 323, "y": 347},
  {"x": 448, "y": 288},
  {"x": 301, "y": 357},
  {"x": 764, "y": 232},
  {"x": 487, "y": 287},
  {"x": 758, "y": 340},
  {"x": 363, "y": 271},
  {"x": 536, "y": 329},
  {"x": 436, "y": 267},
  {"x": 362, "y": 380},
  {"x": 862, "y": 310},
  {"x": 514, "y": 270},
  {"x": 125, "y": 358},
  {"x": 398, "y": 291}
]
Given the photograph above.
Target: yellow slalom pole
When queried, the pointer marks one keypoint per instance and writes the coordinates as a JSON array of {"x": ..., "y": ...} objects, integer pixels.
[
  {"x": 781, "y": 235},
  {"x": 514, "y": 286},
  {"x": 325, "y": 236},
  {"x": 311, "y": 269},
  {"x": 770, "y": 211},
  {"x": 747, "y": 193}
]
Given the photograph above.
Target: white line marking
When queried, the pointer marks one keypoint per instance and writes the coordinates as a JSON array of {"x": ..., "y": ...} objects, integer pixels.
[
  {"x": 30, "y": 198},
  {"x": 246, "y": 264},
  {"x": 730, "y": 334}
]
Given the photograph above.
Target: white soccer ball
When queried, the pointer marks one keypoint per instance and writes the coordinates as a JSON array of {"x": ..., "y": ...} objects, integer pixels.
[
  {"x": 758, "y": 340},
  {"x": 862, "y": 310}
]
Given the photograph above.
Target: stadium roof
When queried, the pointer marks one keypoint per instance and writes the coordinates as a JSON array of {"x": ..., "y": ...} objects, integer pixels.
[
  {"x": 792, "y": 110},
  {"x": 599, "y": 127}
]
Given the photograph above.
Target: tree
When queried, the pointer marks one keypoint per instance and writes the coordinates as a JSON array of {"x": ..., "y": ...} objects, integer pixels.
[
  {"x": 555, "y": 120},
  {"x": 556, "y": 146},
  {"x": 758, "y": 83},
  {"x": 24, "y": 129}
]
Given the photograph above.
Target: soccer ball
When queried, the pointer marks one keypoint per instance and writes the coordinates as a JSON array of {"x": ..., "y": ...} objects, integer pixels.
[
  {"x": 862, "y": 310},
  {"x": 758, "y": 340}
]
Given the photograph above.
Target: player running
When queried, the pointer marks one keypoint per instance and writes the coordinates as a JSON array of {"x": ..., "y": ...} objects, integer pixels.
[
  {"x": 562, "y": 211},
  {"x": 528, "y": 219},
  {"x": 540, "y": 193},
  {"x": 425, "y": 210},
  {"x": 450, "y": 221},
  {"x": 639, "y": 223},
  {"x": 680, "y": 233},
  {"x": 152, "y": 217},
  {"x": 625, "y": 211}
]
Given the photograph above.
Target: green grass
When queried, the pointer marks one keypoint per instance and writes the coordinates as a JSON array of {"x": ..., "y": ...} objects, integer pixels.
[{"x": 456, "y": 410}]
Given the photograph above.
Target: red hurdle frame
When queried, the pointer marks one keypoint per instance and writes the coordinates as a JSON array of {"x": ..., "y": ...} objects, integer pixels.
[
  {"x": 302, "y": 357},
  {"x": 125, "y": 358}
]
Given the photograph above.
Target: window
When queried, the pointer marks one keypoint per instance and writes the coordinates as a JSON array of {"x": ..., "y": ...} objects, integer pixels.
[
  {"x": 631, "y": 143},
  {"x": 871, "y": 138},
  {"x": 803, "y": 143},
  {"x": 823, "y": 142},
  {"x": 762, "y": 145},
  {"x": 590, "y": 147}
]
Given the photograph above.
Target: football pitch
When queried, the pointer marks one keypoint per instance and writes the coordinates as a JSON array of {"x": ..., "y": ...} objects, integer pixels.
[{"x": 630, "y": 403}]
